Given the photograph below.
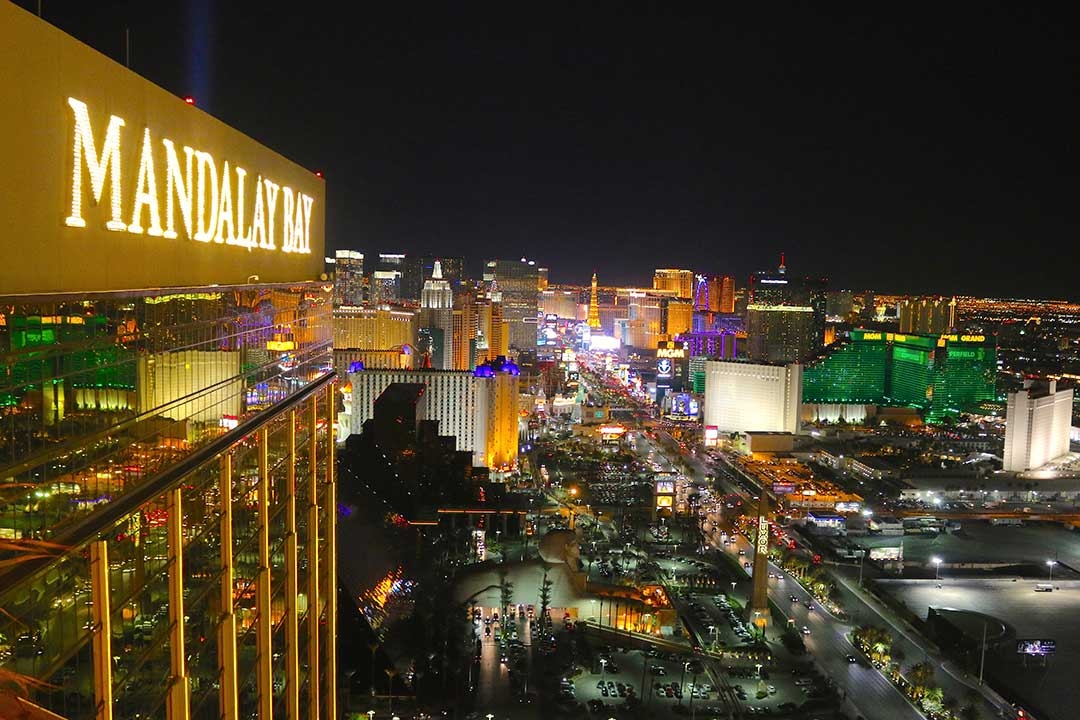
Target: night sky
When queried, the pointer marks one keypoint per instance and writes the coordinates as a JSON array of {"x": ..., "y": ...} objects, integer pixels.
[{"x": 886, "y": 150}]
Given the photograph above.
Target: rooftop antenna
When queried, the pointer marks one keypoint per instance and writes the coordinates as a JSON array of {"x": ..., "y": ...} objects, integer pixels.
[
  {"x": 127, "y": 48},
  {"x": 783, "y": 268}
]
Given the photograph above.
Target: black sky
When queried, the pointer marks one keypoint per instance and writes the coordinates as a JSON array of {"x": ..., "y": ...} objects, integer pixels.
[{"x": 931, "y": 150}]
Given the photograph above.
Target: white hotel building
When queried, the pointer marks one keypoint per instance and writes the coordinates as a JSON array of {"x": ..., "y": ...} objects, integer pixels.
[
  {"x": 744, "y": 396},
  {"x": 1037, "y": 426},
  {"x": 480, "y": 411}
]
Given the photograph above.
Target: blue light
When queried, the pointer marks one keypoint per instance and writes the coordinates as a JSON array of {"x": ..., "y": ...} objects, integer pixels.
[{"x": 356, "y": 366}]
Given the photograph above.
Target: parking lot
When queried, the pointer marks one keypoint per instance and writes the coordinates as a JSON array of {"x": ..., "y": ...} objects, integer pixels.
[
  {"x": 1049, "y": 682},
  {"x": 980, "y": 542}
]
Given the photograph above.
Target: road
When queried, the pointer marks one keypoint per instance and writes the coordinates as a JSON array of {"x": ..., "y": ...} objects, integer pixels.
[{"x": 870, "y": 692}]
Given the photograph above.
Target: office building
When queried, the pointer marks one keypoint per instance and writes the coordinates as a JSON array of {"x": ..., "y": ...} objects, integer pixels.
[
  {"x": 384, "y": 286},
  {"x": 715, "y": 345},
  {"x": 416, "y": 269},
  {"x": 839, "y": 305},
  {"x": 745, "y": 396},
  {"x": 680, "y": 282},
  {"x": 785, "y": 316},
  {"x": 437, "y": 313},
  {"x": 374, "y": 327},
  {"x": 479, "y": 408},
  {"x": 927, "y": 315},
  {"x": 727, "y": 295},
  {"x": 562, "y": 304},
  {"x": 166, "y": 401},
  {"x": 346, "y": 359},
  {"x": 463, "y": 335},
  {"x": 348, "y": 278},
  {"x": 518, "y": 281},
  {"x": 676, "y": 316},
  {"x": 1038, "y": 420}
]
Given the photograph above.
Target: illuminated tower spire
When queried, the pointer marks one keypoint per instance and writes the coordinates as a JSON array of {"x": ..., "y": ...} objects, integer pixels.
[
  {"x": 759, "y": 599},
  {"x": 594, "y": 308},
  {"x": 782, "y": 268}
]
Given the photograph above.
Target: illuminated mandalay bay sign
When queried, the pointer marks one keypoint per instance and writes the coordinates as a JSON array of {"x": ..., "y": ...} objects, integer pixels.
[{"x": 204, "y": 200}]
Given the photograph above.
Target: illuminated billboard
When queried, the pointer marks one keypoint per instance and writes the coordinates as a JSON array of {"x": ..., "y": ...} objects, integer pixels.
[
  {"x": 887, "y": 553},
  {"x": 1036, "y": 647},
  {"x": 783, "y": 488},
  {"x": 114, "y": 183},
  {"x": 665, "y": 487},
  {"x": 681, "y": 406},
  {"x": 712, "y": 435},
  {"x": 664, "y": 501}
]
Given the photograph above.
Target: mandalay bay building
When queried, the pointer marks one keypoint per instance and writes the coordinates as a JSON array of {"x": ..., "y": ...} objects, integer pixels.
[{"x": 167, "y": 488}]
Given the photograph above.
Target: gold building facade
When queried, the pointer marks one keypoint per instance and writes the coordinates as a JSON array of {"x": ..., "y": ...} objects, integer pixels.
[{"x": 167, "y": 484}]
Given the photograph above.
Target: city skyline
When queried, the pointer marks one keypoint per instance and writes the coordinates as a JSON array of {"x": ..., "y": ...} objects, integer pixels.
[{"x": 846, "y": 142}]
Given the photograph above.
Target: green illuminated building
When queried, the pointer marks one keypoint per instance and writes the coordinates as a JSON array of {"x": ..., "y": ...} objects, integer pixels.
[
  {"x": 854, "y": 372},
  {"x": 942, "y": 376},
  {"x": 911, "y": 367},
  {"x": 964, "y": 376}
]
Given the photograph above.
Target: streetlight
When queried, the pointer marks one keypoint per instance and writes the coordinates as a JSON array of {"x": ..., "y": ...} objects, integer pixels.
[
  {"x": 390, "y": 673},
  {"x": 603, "y": 667},
  {"x": 937, "y": 567},
  {"x": 1051, "y": 564},
  {"x": 682, "y": 680},
  {"x": 373, "y": 646}
]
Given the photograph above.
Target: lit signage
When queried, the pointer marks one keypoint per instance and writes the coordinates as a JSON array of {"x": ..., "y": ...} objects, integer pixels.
[
  {"x": 1036, "y": 647},
  {"x": 671, "y": 352},
  {"x": 973, "y": 338},
  {"x": 663, "y": 368},
  {"x": 663, "y": 501},
  {"x": 766, "y": 281},
  {"x": 783, "y": 488},
  {"x": 665, "y": 487},
  {"x": 887, "y": 553},
  {"x": 204, "y": 200},
  {"x": 762, "y": 535},
  {"x": 871, "y": 336}
]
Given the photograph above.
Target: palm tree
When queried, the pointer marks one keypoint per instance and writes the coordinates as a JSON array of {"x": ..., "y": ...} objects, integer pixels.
[
  {"x": 933, "y": 700},
  {"x": 921, "y": 677},
  {"x": 545, "y": 596}
]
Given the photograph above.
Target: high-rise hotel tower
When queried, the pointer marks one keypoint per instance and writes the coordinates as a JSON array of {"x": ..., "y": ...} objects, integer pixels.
[{"x": 167, "y": 488}]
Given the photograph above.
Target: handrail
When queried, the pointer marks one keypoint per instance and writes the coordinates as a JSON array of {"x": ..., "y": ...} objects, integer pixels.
[{"x": 89, "y": 528}]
